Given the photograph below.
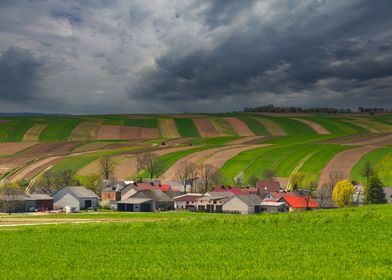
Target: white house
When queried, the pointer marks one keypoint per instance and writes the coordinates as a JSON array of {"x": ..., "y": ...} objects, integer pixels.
[{"x": 76, "y": 197}]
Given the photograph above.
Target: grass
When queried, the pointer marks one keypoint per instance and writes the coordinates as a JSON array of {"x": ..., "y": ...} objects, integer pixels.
[
  {"x": 186, "y": 127},
  {"x": 256, "y": 127},
  {"x": 59, "y": 129},
  {"x": 381, "y": 159},
  {"x": 335, "y": 244}
]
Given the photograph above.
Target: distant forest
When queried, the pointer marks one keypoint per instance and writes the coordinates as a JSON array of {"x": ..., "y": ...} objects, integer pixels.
[{"x": 326, "y": 110}]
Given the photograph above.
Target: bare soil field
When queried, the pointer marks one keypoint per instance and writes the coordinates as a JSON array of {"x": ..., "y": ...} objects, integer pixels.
[
  {"x": 7, "y": 149},
  {"x": 40, "y": 148},
  {"x": 246, "y": 140},
  {"x": 7, "y": 164},
  {"x": 218, "y": 159},
  {"x": 168, "y": 128},
  {"x": 92, "y": 147},
  {"x": 34, "y": 169},
  {"x": 318, "y": 128},
  {"x": 205, "y": 127},
  {"x": 273, "y": 128},
  {"x": 240, "y": 127},
  {"x": 111, "y": 132},
  {"x": 195, "y": 158},
  {"x": 34, "y": 132},
  {"x": 382, "y": 140},
  {"x": 343, "y": 162},
  {"x": 85, "y": 131}
]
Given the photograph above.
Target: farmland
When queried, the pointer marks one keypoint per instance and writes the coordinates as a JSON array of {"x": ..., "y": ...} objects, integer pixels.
[
  {"x": 352, "y": 243},
  {"x": 309, "y": 144}
]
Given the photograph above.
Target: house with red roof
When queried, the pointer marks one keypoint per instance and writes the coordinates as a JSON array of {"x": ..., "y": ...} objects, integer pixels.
[
  {"x": 279, "y": 195},
  {"x": 298, "y": 203}
]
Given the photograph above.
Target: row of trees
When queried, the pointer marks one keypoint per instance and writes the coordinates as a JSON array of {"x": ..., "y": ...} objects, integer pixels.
[{"x": 325, "y": 110}]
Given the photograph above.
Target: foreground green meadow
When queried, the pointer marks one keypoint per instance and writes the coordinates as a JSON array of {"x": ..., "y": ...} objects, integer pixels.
[{"x": 352, "y": 243}]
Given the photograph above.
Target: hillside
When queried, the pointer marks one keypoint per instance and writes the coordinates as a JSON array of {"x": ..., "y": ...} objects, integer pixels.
[
  {"x": 351, "y": 243},
  {"x": 241, "y": 143}
]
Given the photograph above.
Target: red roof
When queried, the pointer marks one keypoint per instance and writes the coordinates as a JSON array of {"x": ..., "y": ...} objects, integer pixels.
[
  {"x": 300, "y": 202},
  {"x": 235, "y": 190},
  {"x": 278, "y": 195},
  {"x": 268, "y": 185},
  {"x": 250, "y": 190},
  {"x": 165, "y": 188}
]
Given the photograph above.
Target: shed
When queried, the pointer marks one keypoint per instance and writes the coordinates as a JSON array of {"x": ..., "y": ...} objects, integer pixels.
[{"x": 78, "y": 197}]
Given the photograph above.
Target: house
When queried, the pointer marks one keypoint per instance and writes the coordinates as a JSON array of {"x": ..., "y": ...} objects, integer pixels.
[
  {"x": 76, "y": 197},
  {"x": 186, "y": 201},
  {"x": 234, "y": 190},
  {"x": 146, "y": 201},
  {"x": 274, "y": 206},
  {"x": 279, "y": 195},
  {"x": 243, "y": 204},
  {"x": 388, "y": 194},
  {"x": 298, "y": 203}
]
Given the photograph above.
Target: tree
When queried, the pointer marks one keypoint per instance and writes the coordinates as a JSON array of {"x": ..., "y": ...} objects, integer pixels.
[
  {"x": 324, "y": 195},
  {"x": 367, "y": 170},
  {"x": 209, "y": 177},
  {"x": 93, "y": 182},
  {"x": 9, "y": 193},
  {"x": 238, "y": 179},
  {"x": 253, "y": 180},
  {"x": 342, "y": 193},
  {"x": 66, "y": 177},
  {"x": 151, "y": 163},
  {"x": 186, "y": 174},
  {"x": 47, "y": 180},
  {"x": 374, "y": 193},
  {"x": 309, "y": 193},
  {"x": 297, "y": 180},
  {"x": 335, "y": 176},
  {"x": 268, "y": 174},
  {"x": 107, "y": 166}
]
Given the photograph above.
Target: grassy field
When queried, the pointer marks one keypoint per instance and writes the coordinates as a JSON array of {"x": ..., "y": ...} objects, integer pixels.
[
  {"x": 338, "y": 244},
  {"x": 59, "y": 129},
  {"x": 186, "y": 128},
  {"x": 255, "y": 126},
  {"x": 381, "y": 159}
]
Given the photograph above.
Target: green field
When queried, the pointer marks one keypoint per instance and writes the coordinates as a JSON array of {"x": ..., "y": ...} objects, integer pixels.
[
  {"x": 256, "y": 127},
  {"x": 351, "y": 243},
  {"x": 381, "y": 159},
  {"x": 186, "y": 128}
]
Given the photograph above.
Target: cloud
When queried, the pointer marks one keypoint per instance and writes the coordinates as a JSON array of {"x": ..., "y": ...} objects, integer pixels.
[
  {"x": 174, "y": 56},
  {"x": 20, "y": 75}
]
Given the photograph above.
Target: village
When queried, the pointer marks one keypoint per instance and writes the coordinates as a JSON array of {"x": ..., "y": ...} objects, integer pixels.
[{"x": 150, "y": 195}]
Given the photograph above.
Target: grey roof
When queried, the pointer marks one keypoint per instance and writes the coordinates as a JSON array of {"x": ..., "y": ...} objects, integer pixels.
[
  {"x": 82, "y": 192},
  {"x": 250, "y": 199},
  {"x": 388, "y": 194},
  {"x": 134, "y": 200},
  {"x": 218, "y": 195},
  {"x": 40, "y": 196},
  {"x": 17, "y": 197},
  {"x": 156, "y": 195}
]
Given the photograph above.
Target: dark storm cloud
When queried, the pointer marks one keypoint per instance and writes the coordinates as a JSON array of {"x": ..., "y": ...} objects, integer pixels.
[
  {"x": 292, "y": 53},
  {"x": 20, "y": 75}
]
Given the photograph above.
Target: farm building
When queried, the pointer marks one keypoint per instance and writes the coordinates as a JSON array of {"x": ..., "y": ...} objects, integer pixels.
[
  {"x": 298, "y": 203},
  {"x": 388, "y": 194},
  {"x": 42, "y": 201},
  {"x": 243, "y": 204},
  {"x": 186, "y": 201},
  {"x": 273, "y": 206},
  {"x": 146, "y": 201},
  {"x": 228, "y": 202},
  {"x": 279, "y": 195},
  {"x": 16, "y": 203},
  {"x": 77, "y": 197}
]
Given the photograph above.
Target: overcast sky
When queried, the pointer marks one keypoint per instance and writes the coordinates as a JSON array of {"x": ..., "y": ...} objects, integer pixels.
[{"x": 135, "y": 56}]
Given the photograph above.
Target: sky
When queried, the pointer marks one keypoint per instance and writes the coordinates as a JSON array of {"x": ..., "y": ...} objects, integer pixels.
[{"x": 162, "y": 56}]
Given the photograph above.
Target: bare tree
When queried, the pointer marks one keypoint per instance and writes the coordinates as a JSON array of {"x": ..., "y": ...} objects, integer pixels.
[
  {"x": 66, "y": 177},
  {"x": 93, "y": 182},
  {"x": 9, "y": 193},
  {"x": 209, "y": 177},
  {"x": 324, "y": 195},
  {"x": 238, "y": 179},
  {"x": 151, "y": 163},
  {"x": 139, "y": 166},
  {"x": 268, "y": 174},
  {"x": 309, "y": 193},
  {"x": 186, "y": 174},
  {"x": 335, "y": 176},
  {"x": 47, "y": 180},
  {"x": 107, "y": 166}
]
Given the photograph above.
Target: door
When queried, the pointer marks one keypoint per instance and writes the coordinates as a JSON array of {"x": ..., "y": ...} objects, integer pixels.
[
  {"x": 146, "y": 207},
  {"x": 87, "y": 204},
  {"x": 129, "y": 207}
]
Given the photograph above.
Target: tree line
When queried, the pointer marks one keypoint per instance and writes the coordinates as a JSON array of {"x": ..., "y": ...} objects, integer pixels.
[{"x": 314, "y": 110}]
